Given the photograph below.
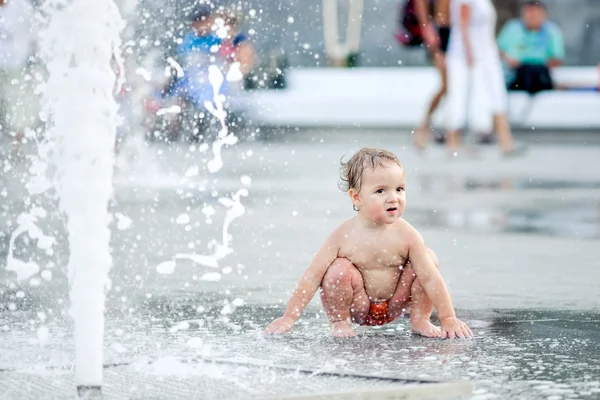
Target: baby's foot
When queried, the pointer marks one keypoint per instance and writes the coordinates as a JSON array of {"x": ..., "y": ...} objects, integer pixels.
[
  {"x": 425, "y": 328},
  {"x": 342, "y": 329}
]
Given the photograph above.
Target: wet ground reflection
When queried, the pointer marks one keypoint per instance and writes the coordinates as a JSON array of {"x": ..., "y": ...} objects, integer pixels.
[
  {"x": 579, "y": 221},
  {"x": 554, "y": 212},
  {"x": 516, "y": 354}
]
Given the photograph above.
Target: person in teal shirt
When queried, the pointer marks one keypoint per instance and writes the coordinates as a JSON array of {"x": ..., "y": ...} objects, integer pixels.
[{"x": 530, "y": 47}]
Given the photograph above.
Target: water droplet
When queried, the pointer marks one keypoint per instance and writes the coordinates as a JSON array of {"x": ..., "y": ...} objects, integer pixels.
[
  {"x": 195, "y": 343},
  {"x": 238, "y": 302},
  {"x": 43, "y": 334},
  {"x": 182, "y": 219},
  {"x": 211, "y": 277},
  {"x": 166, "y": 268},
  {"x": 46, "y": 275},
  {"x": 246, "y": 180},
  {"x": 123, "y": 222}
]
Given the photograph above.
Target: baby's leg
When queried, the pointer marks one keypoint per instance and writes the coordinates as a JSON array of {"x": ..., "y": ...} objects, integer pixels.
[
  {"x": 343, "y": 296},
  {"x": 410, "y": 294}
]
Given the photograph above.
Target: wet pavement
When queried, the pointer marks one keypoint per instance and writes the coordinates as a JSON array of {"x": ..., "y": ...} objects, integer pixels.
[{"x": 517, "y": 241}]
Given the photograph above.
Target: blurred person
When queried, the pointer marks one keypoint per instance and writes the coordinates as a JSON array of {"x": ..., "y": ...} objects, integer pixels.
[
  {"x": 375, "y": 267},
  {"x": 17, "y": 99},
  {"x": 473, "y": 54},
  {"x": 236, "y": 45},
  {"x": 505, "y": 11},
  {"x": 213, "y": 40},
  {"x": 434, "y": 22},
  {"x": 530, "y": 47}
]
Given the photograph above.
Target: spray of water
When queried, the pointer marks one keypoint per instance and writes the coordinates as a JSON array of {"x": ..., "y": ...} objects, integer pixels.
[
  {"x": 224, "y": 137},
  {"x": 81, "y": 48},
  {"x": 234, "y": 207}
]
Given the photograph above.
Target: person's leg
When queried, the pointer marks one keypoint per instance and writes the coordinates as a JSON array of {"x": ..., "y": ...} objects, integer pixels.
[
  {"x": 410, "y": 295},
  {"x": 344, "y": 297},
  {"x": 499, "y": 102},
  {"x": 456, "y": 101},
  {"x": 440, "y": 65},
  {"x": 422, "y": 132},
  {"x": 504, "y": 134}
]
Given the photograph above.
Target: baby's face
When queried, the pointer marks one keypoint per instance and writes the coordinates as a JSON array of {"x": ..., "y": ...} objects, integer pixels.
[{"x": 382, "y": 197}]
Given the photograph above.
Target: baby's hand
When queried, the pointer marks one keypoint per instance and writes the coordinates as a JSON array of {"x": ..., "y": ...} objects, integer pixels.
[
  {"x": 280, "y": 325},
  {"x": 455, "y": 328}
]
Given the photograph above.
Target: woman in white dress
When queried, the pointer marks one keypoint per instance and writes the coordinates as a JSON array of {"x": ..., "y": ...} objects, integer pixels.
[{"x": 473, "y": 52}]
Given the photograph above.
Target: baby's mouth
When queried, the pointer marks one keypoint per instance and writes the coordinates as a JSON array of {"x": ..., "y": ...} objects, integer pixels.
[{"x": 391, "y": 209}]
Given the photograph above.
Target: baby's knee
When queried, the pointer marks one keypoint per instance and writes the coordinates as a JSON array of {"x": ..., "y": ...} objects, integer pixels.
[{"x": 340, "y": 268}]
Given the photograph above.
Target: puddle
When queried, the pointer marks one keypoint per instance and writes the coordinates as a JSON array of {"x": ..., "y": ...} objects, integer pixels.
[
  {"x": 573, "y": 220},
  {"x": 554, "y": 213},
  {"x": 438, "y": 184},
  {"x": 530, "y": 184}
]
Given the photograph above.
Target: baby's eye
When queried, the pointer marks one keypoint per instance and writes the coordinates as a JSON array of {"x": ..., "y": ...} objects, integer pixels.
[
  {"x": 400, "y": 189},
  {"x": 379, "y": 191}
]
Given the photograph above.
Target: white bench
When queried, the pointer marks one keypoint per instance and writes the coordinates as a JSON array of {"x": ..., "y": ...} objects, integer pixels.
[{"x": 398, "y": 97}]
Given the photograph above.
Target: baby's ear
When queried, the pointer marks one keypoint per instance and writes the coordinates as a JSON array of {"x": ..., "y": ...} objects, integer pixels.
[{"x": 354, "y": 197}]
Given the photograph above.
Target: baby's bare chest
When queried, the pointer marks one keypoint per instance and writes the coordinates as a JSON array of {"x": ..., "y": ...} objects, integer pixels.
[{"x": 378, "y": 253}]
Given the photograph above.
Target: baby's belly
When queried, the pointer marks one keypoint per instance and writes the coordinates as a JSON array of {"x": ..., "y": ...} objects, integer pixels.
[{"x": 380, "y": 284}]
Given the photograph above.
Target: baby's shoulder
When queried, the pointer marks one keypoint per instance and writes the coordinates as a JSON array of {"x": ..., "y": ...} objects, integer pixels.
[
  {"x": 403, "y": 226},
  {"x": 405, "y": 230},
  {"x": 344, "y": 229}
]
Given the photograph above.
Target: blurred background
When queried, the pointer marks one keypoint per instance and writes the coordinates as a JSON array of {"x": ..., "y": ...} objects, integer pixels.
[
  {"x": 292, "y": 25},
  {"x": 382, "y": 82}
]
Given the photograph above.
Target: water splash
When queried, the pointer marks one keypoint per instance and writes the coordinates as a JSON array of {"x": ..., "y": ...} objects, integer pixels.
[
  {"x": 234, "y": 206},
  {"x": 79, "y": 44},
  {"x": 27, "y": 223},
  {"x": 216, "y": 108},
  {"x": 220, "y": 250}
]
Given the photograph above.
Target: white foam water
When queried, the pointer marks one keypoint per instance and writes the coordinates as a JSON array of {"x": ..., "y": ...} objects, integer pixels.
[
  {"x": 235, "y": 209},
  {"x": 80, "y": 45},
  {"x": 220, "y": 250}
]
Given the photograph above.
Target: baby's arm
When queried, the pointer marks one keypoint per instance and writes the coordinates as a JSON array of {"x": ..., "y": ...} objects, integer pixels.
[
  {"x": 435, "y": 287},
  {"x": 308, "y": 285}
]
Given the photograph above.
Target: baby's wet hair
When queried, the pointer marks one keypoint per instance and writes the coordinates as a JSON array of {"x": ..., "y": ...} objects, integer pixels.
[{"x": 351, "y": 171}]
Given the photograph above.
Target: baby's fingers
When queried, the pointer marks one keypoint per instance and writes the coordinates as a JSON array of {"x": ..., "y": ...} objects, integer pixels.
[
  {"x": 272, "y": 328},
  {"x": 458, "y": 332},
  {"x": 467, "y": 331},
  {"x": 443, "y": 333},
  {"x": 282, "y": 329},
  {"x": 269, "y": 330},
  {"x": 470, "y": 332}
]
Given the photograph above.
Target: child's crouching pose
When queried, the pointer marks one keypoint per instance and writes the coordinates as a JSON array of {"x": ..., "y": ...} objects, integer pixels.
[{"x": 375, "y": 266}]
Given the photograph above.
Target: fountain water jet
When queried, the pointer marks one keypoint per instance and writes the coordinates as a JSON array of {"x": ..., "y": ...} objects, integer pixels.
[{"x": 79, "y": 45}]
